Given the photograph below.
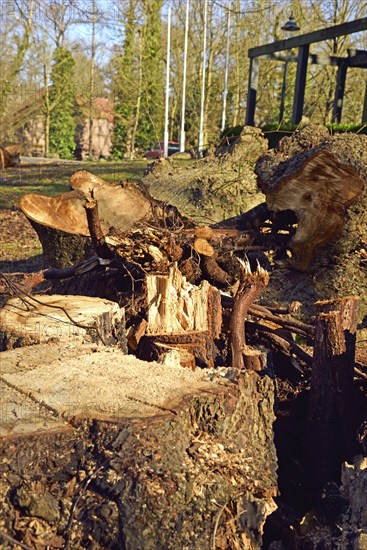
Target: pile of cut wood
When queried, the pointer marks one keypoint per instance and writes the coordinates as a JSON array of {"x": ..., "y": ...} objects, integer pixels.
[
  {"x": 281, "y": 285},
  {"x": 118, "y": 242}
]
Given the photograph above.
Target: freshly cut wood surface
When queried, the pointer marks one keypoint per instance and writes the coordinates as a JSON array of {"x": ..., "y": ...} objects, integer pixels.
[
  {"x": 41, "y": 319},
  {"x": 120, "y": 206},
  {"x": 176, "y": 306},
  {"x": 318, "y": 191},
  {"x": 99, "y": 382},
  {"x": 165, "y": 443},
  {"x": 64, "y": 212},
  {"x": 183, "y": 320},
  {"x": 9, "y": 156}
]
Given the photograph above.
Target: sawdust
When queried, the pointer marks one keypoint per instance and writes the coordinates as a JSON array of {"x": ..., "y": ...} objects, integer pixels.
[{"x": 94, "y": 382}]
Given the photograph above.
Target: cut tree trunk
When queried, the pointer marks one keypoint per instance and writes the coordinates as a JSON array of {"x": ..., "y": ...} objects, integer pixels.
[
  {"x": 33, "y": 320},
  {"x": 318, "y": 185},
  {"x": 122, "y": 218},
  {"x": 112, "y": 452},
  {"x": 214, "y": 188},
  {"x": 181, "y": 318},
  {"x": 61, "y": 218},
  {"x": 322, "y": 180},
  {"x": 120, "y": 206},
  {"x": 321, "y": 224},
  {"x": 61, "y": 249},
  {"x": 150, "y": 242},
  {"x": 333, "y": 415},
  {"x": 9, "y": 156}
]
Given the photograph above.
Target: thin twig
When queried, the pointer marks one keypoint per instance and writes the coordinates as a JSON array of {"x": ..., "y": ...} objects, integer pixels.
[
  {"x": 271, "y": 340},
  {"x": 27, "y": 300},
  {"x": 8, "y": 538},
  {"x": 360, "y": 373},
  {"x": 76, "y": 502},
  {"x": 217, "y": 520}
]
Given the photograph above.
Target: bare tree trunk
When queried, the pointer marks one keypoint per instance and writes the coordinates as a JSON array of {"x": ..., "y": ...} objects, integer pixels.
[
  {"x": 91, "y": 82},
  {"x": 47, "y": 110},
  {"x": 237, "y": 76},
  {"x": 16, "y": 65},
  {"x": 209, "y": 74},
  {"x": 132, "y": 131}
]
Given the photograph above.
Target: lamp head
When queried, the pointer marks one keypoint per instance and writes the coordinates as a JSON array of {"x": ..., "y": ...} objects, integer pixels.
[{"x": 291, "y": 24}]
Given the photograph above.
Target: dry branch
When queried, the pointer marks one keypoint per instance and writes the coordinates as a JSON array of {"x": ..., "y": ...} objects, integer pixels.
[
  {"x": 250, "y": 288},
  {"x": 294, "y": 325},
  {"x": 262, "y": 312},
  {"x": 279, "y": 343},
  {"x": 95, "y": 230}
]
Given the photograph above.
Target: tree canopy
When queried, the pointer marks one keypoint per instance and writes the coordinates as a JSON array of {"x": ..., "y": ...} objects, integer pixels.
[{"x": 40, "y": 42}]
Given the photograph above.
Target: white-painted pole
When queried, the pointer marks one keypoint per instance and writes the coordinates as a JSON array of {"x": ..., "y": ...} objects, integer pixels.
[
  {"x": 201, "y": 129},
  {"x": 165, "y": 139},
  {"x": 183, "y": 109},
  {"x": 225, "y": 90}
]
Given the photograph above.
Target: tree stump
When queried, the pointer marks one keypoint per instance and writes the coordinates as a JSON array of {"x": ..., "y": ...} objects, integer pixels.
[
  {"x": 61, "y": 221},
  {"x": 333, "y": 415},
  {"x": 9, "y": 156},
  {"x": 35, "y": 320},
  {"x": 100, "y": 448},
  {"x": 181, "y": 318}
]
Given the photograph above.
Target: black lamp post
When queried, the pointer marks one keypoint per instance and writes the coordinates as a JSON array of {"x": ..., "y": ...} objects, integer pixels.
[{"x": 290, "y": 26}]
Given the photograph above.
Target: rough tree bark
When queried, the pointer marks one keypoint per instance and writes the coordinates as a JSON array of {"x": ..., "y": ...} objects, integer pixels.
[
  {"x": 117, "y": 452},
  {"x": 334, "y": 413},
  {"x": 250, "y": 287},
  {"x": 318, "y": 188},
  {"x": 216, "y": 187},
  {"x": 320, "y": 181}
]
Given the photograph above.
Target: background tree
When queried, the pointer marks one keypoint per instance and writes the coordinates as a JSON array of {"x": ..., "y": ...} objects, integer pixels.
[
  {"x": 138, "y": 79},
  {"x": 16, "y": 22},
  {"x": 62, "y": 99},
  {"x": 151, "y": 126},
  {"x": 50, "y": 38},
  {"x": 322, "y": 79},
  {"x": 135, "y": 33},
  {"x": 126, "y": 64}
]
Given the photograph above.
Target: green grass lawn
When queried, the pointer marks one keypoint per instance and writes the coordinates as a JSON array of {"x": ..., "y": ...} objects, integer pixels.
[
  {"x": 53, "y": 179},
  {"x": 20, "y": 249}
]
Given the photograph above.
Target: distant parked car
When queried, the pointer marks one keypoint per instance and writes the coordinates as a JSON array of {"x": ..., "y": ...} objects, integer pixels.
[{"x": 157, "y": 150}]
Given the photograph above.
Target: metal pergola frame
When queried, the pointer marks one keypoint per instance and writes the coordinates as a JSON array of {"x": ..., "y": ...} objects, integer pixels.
[{"x": 355, "y": 58}]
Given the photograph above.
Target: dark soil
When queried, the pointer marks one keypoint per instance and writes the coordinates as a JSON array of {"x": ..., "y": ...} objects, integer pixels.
[{"x": 20, "y": 249}]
